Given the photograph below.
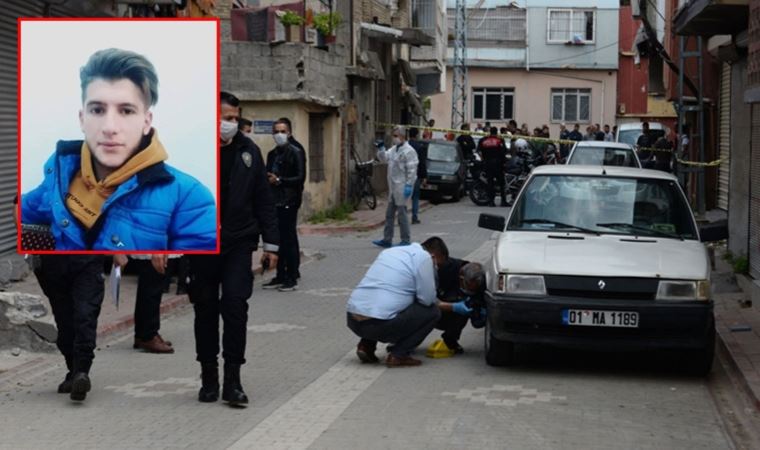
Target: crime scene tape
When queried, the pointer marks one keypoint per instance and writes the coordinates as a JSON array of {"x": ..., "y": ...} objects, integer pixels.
[
  {"x": 477, "y": 133},
  {"x": 510, "y": 136}
]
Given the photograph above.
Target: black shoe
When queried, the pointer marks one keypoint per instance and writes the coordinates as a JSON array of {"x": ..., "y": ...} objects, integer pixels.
[
  {"x": 288, "y": 286},
  {"x": 415, "y": 221},
  {"x": 80, "y": 386},
  {"x": 209, "y": 383},
  {"x": 65, "y": 386},
  {"x": 181, "y": 290},
  {"x": 232, "y": 392},
  {"x": 274, "y": 283}
]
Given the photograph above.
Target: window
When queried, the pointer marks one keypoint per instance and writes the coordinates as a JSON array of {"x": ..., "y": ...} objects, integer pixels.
[
  {"x": 571, "y": 25},
  {"x": 500, "y": 24},
  {"x": 493, "y": 103},
  {"x": 571, "y": 105}
]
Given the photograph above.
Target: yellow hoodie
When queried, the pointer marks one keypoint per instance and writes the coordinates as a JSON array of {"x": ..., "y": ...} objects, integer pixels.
[{"x": 86, "y": 195}]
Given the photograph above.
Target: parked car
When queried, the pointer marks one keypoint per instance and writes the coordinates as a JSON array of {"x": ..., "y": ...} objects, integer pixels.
[
  {"x": 628, "y": 133},
  {"x": 446, "y": 170},
  {"x": 600, "y": 153},
  {"x": 604, "y": 258}
]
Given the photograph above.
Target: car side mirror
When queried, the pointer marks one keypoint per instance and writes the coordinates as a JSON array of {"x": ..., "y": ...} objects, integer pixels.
[
  {"x": 492, "y": 222},
  {"x": 714, "y": 231}
]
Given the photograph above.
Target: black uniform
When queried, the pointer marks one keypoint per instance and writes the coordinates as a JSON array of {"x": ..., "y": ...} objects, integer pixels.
[
  {"x": 467, "y": 144},
  {"x": 289, "y": 164},
  {"x": 450, "y": 322},
  {"x": 247, "y": 212},
  {"x": 494, "y": 153}
]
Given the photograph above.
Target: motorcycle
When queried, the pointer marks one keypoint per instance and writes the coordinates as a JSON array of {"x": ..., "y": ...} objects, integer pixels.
[{"x": 516, "y": 173}]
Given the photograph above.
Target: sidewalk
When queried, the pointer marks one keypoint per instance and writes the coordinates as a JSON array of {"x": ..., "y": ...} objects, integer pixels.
[
  {"x": 361, "y": 220},
  {"x": 737, "y": 322}
]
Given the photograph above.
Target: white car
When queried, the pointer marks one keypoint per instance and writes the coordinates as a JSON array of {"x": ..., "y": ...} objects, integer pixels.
[
  {"x": 598, "y": 257},
  {"x": 600, "y": 153},
  {"x": 628, "y": 133}
]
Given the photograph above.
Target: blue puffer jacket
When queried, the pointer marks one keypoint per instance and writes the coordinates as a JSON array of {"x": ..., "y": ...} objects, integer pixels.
[{"x": 159, "y": 208}]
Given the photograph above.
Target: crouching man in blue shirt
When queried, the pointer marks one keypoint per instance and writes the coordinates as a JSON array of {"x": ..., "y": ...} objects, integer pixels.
[{"x": 395, "y": 302}]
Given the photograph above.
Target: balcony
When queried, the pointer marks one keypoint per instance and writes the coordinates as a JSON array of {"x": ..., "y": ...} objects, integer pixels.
[{"x": 712, "y": 17}]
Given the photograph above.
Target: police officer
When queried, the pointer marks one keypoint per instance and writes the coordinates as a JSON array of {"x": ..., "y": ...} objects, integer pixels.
[
  {"x": 494, "y": 153},
  {"x": 286, "y": 174},
  {"x": 247, "y": 212}
]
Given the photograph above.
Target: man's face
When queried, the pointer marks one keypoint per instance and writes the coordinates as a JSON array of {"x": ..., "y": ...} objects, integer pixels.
[
  {"x": 114, "y": 118},
  {"x": 606, "y": 128},
  {"x": 398, "y": 135},
  {"x": 246, "y": 129},
  {"x": 576, "y": 127},
  {"x": 229, "y": 113},
  {"x": 281, "y": 128},
  {"x": 645, "y": 127},
  {"x": 438, "y": 259},
  {"x": 471, "y": 287}
]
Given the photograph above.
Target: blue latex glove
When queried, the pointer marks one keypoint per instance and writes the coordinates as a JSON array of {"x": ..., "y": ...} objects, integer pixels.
[
  {"x": 461, "y": 308},
  {"x": 480, "y": 322},
  {"x": 407, "y": 190}
]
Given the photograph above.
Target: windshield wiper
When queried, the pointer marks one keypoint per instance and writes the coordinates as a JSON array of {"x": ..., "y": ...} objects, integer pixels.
[
  {"x": 561, "y": 225},
  {"x": 640, "y": 228}
]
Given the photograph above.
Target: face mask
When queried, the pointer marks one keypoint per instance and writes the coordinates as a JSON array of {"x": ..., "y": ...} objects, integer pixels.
[
  {"x": 227, "y": 130},
  {"x": 396, "y": 141},
  {"x": 280, "y": 139}
]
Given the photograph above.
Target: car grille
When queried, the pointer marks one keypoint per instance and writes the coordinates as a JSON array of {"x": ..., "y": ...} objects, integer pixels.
[{"x": 613, "y": 288}]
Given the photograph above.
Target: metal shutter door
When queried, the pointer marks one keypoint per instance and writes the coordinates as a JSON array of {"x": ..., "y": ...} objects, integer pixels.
[
  {"x": 8, "y": 89},
  {"x": 724, "y": 136},
  {"x": 754, "y": 211}
]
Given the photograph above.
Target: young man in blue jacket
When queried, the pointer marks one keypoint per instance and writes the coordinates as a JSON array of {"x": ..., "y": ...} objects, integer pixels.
[{"x": 113, "y": 190}]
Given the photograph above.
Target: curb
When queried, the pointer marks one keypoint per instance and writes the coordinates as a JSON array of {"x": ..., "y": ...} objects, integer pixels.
[
  {"x": 736, "y": 360},
  {"x": 310, "y": 230},
  {"x": 128, "y": 321}
]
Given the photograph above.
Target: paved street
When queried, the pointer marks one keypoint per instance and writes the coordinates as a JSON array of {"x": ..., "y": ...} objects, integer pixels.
[{"x": 308, "y": 390}]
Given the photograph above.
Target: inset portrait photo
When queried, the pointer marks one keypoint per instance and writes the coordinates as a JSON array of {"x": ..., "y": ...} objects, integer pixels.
[{"x": 118, "y": 136}]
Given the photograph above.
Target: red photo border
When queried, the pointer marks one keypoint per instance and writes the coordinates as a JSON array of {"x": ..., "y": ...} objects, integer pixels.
[{"x": 21, "y": 20}]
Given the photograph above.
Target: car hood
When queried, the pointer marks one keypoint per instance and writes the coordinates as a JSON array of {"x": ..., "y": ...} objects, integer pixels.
[
  {"x": 605, "y": 255},
  {"x": 442, "y": 167}
]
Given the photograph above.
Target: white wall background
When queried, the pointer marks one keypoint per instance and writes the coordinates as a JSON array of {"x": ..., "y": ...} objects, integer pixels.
[{"x": 184, "y": 55}]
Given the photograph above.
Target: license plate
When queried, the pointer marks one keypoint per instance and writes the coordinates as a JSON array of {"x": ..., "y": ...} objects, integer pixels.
[
  {"x": 594, "y": 318},
  {"x": 429, "y": 187}
]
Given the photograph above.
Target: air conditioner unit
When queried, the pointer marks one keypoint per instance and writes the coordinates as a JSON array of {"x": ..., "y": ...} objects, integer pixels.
[{"x": 621, "y": 108}]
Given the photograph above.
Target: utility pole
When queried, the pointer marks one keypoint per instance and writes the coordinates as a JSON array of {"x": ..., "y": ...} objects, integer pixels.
[{"x": 459, "y": 82}]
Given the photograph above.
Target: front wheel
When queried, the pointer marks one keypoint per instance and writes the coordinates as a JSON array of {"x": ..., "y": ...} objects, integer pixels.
[
  {"x": 368, "y": 194},
  {"x": 498, "y": 353},
  {"x": 479, "y": 193}
]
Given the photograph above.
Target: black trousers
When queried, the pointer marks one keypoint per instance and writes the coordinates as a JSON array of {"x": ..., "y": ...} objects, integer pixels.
[
  {"x": 231, "y": 271},
  {"x": 289, "y": 252},
  {"x": 75, "y": 286},
  {"x": 405, "y": 331},
  {"x": 495, "y": 175},
  {"x": 150, "y": 288},
  {"x": 452, "y": 325}
]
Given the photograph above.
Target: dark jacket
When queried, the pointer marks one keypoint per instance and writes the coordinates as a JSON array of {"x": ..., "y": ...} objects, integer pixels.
[
  {"x": 248, "y": 210},
  {"x": 448, "y": 280},
  {"x": 493, "y": 149},
  {"x": 289, "y": 164},
  {"x": 421, "y": 149},
  {"x": 575, "y": 136},
  {"x": 467, "y": 144}
]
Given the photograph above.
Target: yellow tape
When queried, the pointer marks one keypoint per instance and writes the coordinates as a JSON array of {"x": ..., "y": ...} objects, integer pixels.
[{"x": 715, "y": 163}]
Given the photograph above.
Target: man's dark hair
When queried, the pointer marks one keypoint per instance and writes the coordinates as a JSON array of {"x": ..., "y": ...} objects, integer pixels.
[
  {"x": 513, "y": 123},
  {"x": 503, "y": 130},
  {"x": 229, "y": 99},
  {"x": 243, "y": 122},
  {"x": 114, "y": 64},
  {"x": 288, "y": 122},
  {"x": 436, "y": 245},
  {"x": 413, "y": 133},
  {"x": 645, "y": 125},
  {"x": 494, "y": 131}
]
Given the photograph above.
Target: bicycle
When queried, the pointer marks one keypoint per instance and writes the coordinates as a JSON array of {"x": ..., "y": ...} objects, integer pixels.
[{"x": 361, "y": 185}]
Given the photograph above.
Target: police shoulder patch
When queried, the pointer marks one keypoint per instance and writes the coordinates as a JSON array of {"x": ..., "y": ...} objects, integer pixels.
[{"x": 247, "y": 159}]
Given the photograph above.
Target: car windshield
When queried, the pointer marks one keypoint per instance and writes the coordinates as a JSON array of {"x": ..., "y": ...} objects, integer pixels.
[
  {"x": 603, "y": 156},
  {"x": 630, "y": 137},
  {"x": 442, "y": 152},
  {"x": 604, "y": 205}
]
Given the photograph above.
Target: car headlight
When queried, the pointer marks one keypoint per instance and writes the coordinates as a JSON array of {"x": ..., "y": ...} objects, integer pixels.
[
  {"x": 448, "y": 178},
  {"x": 683, "y": 290},
  {"x": 524, "y": 284}
]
